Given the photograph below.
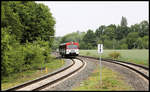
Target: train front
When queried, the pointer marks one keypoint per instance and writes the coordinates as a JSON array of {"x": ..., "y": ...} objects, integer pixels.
[{"x": 72, "y": 49}]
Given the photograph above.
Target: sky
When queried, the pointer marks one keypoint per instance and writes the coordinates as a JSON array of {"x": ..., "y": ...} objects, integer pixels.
[{"x": 72, "y": 16}]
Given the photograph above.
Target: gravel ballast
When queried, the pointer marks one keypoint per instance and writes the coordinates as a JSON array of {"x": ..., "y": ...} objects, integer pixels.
[
  {"x": 131, "y": 77},
  {"x": 76, "y": 79}
]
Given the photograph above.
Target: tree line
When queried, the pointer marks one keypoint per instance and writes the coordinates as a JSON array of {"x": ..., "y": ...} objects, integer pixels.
[
  {"x": 26, "y": 28},
  {"x": 113, "y": 36}
]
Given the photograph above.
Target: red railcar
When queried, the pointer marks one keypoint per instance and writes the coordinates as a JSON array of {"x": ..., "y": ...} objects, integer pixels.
[{"x": 69, "y": 49}]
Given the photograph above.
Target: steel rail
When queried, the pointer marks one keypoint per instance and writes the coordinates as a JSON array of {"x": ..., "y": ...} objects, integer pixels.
[
  {"x": 59, "y": 79},
  {"x": 38, "y": 79},
  {"x": 46, "y": 76},
  {"x": 123, "y": 64}
]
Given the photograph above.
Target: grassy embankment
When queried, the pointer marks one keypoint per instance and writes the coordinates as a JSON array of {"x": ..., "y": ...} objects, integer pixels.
[
  {"x": 134, "y": 56},
  {"x": 111, "y": 81},
  {"x": 19, "y": 78}
]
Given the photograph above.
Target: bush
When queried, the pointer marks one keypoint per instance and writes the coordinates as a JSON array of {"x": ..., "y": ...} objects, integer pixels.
[
  {"x": 124, "y": 46},
  {"x": 87, "y": 53},
  {"x": 33, "y": 56},
  {"x": 10, "y": 53},
  {"x": 114, "y": 55}
]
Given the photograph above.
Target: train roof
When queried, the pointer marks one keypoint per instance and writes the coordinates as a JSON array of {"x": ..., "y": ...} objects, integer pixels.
[{"x": 69, "y": 43}]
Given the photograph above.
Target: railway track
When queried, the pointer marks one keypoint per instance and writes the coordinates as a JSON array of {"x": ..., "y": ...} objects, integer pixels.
[
  {"x": 141, "y": 70},
  {"x": 50, "y": 79}
]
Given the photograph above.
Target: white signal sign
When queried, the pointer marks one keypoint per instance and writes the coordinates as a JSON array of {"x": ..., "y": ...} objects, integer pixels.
[{"x": 100, "y": 48}]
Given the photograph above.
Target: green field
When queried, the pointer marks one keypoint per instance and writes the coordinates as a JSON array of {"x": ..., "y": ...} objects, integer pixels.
[{"x": 134, "y": 56}]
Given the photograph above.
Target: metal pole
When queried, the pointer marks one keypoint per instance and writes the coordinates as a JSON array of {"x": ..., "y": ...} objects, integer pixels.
[
  {"x": 41, "y": 62},
  {"x": 100, "y": 71},
  {"x": 113, "y": 44}
]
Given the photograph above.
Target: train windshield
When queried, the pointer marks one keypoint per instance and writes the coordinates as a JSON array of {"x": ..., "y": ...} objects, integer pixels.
[{"x": 72, "y": 46}]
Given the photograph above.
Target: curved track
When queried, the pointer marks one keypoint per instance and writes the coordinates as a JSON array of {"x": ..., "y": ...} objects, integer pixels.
[
  {"x": 43, "y": 82},
  {"x": 141, "y": 70}
]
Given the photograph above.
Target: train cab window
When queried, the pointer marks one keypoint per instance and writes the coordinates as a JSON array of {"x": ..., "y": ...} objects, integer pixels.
[{"x": 72, "y": 46}]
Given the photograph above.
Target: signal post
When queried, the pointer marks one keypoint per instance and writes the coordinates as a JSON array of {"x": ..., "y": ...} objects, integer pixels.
[{"x": 100, "y": 51}]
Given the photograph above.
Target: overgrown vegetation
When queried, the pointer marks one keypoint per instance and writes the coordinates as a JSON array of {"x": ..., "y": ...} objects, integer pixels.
[
  {"x": 26, "y": 28},
  {"x": 28, "y": 75},
  {"x": 114, "y": 55}
]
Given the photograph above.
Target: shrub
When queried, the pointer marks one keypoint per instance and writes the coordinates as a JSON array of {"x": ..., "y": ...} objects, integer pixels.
[
  {"x": 87, "y": 53},
  {"x": 33, "y": 56},
  {"x": 114, "y": 55},
  {"x": 124, "y": 46}
]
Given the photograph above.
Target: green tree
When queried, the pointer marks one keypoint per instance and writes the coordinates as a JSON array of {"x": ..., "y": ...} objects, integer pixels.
[
  {"x": 123, "y": 21},
  {"x": 11, "y": 19},
  {"x": 90, "y": 38},
  {"x": 36, "y": 19},
  {"x": 118, "y": 33},
  {"x": 132, "y": 40},
  {"x": 134, "y": 28},
  {"x": 100, "y": 31},
  {"x": 108, "y": 44},
  {"x": 110, "y": 31},
  {"x": 103, "y": 38},
  {"x": 145, "y": 41},
  {"x": 26, "y": 28},
  {"x": 143, "y": 28},
  {"x": 75, "y": 36},
  {"x": 124, "y": 30},
  {"x": 139, "y": 43},
  {"x": 56, "y": 43}
]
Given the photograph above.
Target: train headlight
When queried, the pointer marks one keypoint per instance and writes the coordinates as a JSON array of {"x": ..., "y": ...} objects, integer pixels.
[{"x": 67, "y": 51}]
